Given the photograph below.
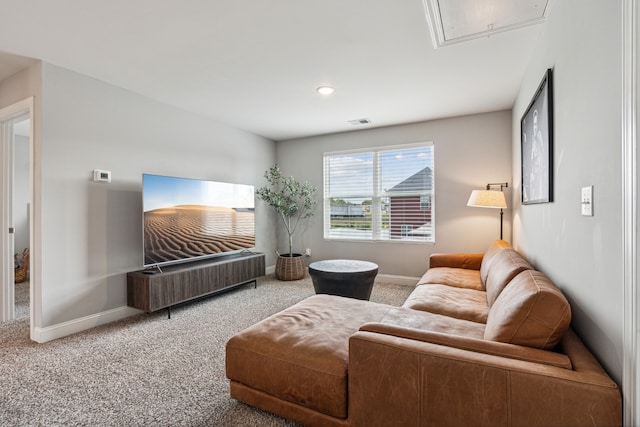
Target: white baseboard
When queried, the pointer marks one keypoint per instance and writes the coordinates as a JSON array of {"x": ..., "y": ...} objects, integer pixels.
[
  {"x": 382, "y": 278},
  {"x": 398, "y": 280},
  {"x": 60, "y": 330}
]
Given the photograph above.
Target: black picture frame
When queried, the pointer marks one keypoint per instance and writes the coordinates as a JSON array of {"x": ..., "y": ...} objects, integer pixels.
[{"x": 536, "y": 145}]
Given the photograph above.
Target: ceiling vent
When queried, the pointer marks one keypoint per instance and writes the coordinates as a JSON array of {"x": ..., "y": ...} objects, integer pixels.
[
  {"x": 455, "y": 21},
  {"x": 359, "y": 122}
]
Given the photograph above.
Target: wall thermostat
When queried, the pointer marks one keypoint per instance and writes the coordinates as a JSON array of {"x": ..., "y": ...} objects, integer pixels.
[{"x": 101, "y": 175}]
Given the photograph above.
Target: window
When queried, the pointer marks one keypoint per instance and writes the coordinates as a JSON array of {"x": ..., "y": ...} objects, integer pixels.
[
  {"x": 380, "y": 194},
  {"x": 425, "y": 202}
]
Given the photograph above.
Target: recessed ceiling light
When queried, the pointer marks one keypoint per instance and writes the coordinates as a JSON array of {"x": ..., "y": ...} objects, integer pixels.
[{"x": 325, "y": 90}]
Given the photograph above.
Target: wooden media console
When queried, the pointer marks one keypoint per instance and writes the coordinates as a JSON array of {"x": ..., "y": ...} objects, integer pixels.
[{"x": 176, "y": 284}]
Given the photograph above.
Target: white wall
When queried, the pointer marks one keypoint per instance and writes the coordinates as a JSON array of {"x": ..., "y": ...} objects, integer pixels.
[
  {"x": 16, "y": 88},
  {"x": 91, "y": 232},
  {"x": 470, "y": 152},
  {"x": 21, "y": 193},
  {"x": 22, "y": 85},
  {"x": 582, "y": 255}
]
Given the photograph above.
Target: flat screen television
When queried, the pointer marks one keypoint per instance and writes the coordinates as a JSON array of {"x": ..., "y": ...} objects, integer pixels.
[{"x": 187, "y": 219}]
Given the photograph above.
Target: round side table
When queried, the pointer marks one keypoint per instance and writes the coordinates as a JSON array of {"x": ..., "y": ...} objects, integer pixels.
[{"x": 343, "y": 277}]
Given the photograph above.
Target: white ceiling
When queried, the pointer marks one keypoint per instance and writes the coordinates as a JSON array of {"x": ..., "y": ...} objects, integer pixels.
[{"x": 255, "y": 64}]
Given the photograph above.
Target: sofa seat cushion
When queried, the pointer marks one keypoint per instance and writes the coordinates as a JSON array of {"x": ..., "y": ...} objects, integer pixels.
[
  {"x": 531, "y": 311},
  {"x": 424, "y": 321},
  {"x": 454, "y": 277},
  {"x": 300, "y": 355},
  {"x": 467, "y": 304}
]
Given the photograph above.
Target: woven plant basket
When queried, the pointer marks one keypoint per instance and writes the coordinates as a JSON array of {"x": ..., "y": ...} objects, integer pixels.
[
  {"x": 290, "y": 267},
  {"x": 20, "y": 273}
]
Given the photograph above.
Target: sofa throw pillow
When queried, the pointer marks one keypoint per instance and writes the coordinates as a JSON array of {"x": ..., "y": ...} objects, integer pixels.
[{"x": 531, "y": 311}]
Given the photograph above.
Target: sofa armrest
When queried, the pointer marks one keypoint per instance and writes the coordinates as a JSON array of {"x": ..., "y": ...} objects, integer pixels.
[
  {"x": 400, "y": 381},
  {"x": 468, "y": 261},
  {"x": 473, "y": 344}
]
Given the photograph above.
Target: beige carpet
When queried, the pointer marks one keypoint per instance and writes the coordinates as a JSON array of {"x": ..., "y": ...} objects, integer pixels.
[
  {"x": 21, "y": 297},
  {"x": 146, "y": 370}
]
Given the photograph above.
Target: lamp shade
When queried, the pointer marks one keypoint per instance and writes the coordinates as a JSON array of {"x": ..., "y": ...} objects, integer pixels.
[{"x": 487, "y": 199}]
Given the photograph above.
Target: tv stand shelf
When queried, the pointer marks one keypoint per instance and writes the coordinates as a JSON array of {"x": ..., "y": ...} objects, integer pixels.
[{"x": 179, "y": 283}]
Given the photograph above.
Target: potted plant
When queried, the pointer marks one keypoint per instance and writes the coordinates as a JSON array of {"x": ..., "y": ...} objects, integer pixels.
[{"x": 294, "y": 202}]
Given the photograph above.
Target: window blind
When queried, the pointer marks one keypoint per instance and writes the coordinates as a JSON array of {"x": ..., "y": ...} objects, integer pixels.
[{"x": 380, "y": 194}]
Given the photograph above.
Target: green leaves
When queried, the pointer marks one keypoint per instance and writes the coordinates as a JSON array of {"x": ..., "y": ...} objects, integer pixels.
[{"x": 291, "y": 199}]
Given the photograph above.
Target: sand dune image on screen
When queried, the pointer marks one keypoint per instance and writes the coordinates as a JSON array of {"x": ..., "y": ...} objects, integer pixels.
[{"x": 189, "y": 231}]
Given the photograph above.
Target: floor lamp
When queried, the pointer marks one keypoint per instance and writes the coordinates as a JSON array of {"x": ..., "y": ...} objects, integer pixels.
[{"x": 490, "y": 199}]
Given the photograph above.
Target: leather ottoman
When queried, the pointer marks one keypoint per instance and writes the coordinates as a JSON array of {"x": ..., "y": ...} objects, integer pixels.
[{"x": 300, "y": 355}]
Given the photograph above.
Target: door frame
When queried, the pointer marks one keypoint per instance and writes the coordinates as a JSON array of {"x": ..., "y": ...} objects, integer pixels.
[
  {"x": 8, "y": 115},
  {"x": 630, "y": 212}
]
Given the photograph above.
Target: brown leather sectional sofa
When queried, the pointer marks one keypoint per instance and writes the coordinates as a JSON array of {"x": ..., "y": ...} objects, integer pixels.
[{"x": 483, "y": 340}]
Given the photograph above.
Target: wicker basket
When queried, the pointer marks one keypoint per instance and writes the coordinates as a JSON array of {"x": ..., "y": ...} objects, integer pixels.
[
  {"x": 22, "y": 271},
  {"x": 290, "y": 267}
]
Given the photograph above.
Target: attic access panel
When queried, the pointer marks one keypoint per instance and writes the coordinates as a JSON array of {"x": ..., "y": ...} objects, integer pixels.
[{"x": 453, "y": 21}]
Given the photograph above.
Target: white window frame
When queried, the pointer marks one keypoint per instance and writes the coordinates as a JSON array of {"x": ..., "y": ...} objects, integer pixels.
[{"x": 377, "y": 234}]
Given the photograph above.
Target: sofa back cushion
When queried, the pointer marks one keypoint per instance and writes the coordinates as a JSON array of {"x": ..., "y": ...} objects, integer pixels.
[
  {"x": 531, "y": 311},
  {"x": 495, "y": 248},
  {"x": 505, "y": 265}
]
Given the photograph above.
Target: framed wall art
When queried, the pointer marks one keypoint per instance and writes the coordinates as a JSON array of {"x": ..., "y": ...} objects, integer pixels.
[{"x": 536, "y": 143}]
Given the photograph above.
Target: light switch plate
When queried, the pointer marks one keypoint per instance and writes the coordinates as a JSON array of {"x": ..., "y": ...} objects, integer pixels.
[{"x": 587, "y": 201}]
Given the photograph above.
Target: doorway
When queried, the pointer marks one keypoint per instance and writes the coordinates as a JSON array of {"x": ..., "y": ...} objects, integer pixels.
[
  {"x": 21, "y": 203},
  {"x": 16, "y": 159}
]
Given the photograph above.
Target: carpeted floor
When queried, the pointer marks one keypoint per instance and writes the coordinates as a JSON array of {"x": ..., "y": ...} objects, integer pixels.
[
  {"x": 21, "y": 298},
  {"x": 145, "y": 370}
]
